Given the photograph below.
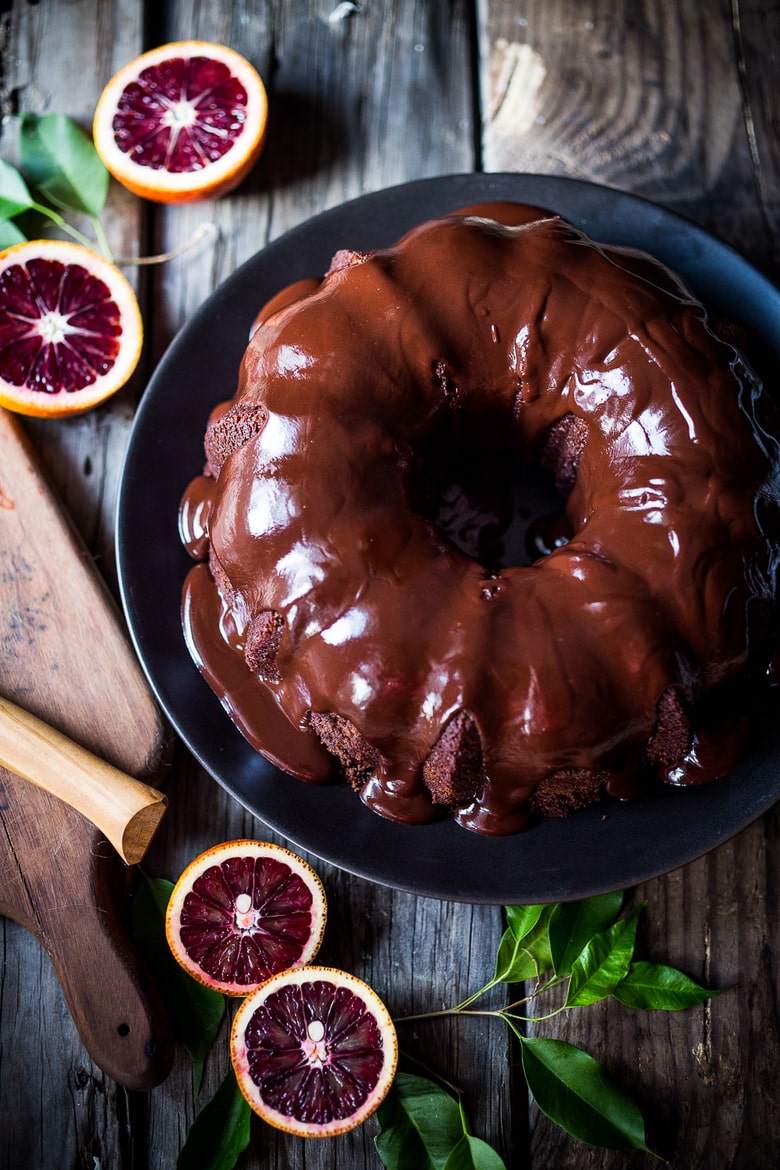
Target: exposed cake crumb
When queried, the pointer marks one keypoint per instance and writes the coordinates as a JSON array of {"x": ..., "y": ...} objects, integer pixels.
[
  {"x": 232, "y": 430},
  {"x": 263, "y": 638},
  {"x": 567, "y": 790},
  {"x": 343, "y": 740},
  {"x": 671, "y": 740},
  {"x": 563, "y": 449},
  {"x": 454, "y": 770}
]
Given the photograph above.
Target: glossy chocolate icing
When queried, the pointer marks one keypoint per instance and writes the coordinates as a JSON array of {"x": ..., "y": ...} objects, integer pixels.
[{"x": 459, "y": 352}]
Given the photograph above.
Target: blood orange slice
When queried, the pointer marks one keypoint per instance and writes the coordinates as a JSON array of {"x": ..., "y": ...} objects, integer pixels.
[
  {"x": 70, "y": 328},
  {"x": 314, "y": 1051},
  {"x": 242, "y": 911},
  {"x": 183, "y": 122}
]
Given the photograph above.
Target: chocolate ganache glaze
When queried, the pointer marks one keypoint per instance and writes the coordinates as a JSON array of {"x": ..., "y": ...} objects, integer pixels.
[{"x": 490, "y": 527}]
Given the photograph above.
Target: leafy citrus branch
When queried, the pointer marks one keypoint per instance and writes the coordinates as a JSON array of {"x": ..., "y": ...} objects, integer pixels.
[
  {"x": 58, "y": 162},
  {"x": 589, "y": 948},
  {"x": 60, "y": 171},
  {"x": 586, "y": 947}
]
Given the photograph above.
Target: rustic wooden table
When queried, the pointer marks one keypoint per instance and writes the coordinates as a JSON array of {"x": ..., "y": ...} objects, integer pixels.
[{"x": 677, "y": 101}]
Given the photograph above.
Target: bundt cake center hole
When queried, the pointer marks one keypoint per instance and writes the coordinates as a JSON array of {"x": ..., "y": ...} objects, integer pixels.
[{"x": 492, "y": 510}]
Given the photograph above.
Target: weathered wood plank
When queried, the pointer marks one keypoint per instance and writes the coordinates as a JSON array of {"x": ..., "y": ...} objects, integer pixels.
[
  {"x": 700, "y": 1076},
  {"x": 57, "y": 59},
  {"x": 52, "y": 1098},
  {"x": 676, "y": 101},
  {"x": 667, "y": 101},
  {"x": 653, "y": 99},
  {"x": 56, "y": 1106},
  {"x": 756, "y": 53},
  {"x": 344, "y": 119}
]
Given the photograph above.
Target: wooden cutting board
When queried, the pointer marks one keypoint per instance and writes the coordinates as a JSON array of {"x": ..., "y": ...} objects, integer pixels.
[{"x": 65, "y": 657}]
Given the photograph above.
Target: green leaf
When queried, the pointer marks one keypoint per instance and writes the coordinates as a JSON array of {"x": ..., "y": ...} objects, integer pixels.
[
  {"x": 604, "y": 962},
  {"x": 196, "y": 1012},
  {"x": 573, "y": 924},
  {"x": 60, "y": 160},
  {"x": 574, "y": 1091},
  {"x": 657, "y": 987},
  {"x": 472, "y": 1153},
  {"x": 514, "y": 961},
  {"x": 220, "y": 1132},
  {"x": 522, "y": 919},
  {"x": 525, "y": 957},
  {"x": 14, "y": 193},
  {"x": 420, "y": 1125},
  {"x": 10, "y": 234}
]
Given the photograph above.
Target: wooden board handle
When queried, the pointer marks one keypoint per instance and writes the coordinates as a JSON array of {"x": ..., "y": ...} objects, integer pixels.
[{"x": 125, "y": 810}]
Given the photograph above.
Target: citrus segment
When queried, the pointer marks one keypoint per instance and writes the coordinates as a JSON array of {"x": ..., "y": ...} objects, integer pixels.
[
  {"x": 242, "y": 911},
  {"x": 314, "y": 1051},
  {"x": 70, "y": 328},
  {"x": 183, "y": 122}
]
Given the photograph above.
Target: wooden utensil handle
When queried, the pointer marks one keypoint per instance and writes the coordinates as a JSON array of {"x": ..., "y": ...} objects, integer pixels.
[{"x": 127, "y": 811}]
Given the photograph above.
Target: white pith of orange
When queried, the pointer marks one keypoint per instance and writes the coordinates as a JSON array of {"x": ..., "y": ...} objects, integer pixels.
[
  {"x": 215, "y": 856},
  {"x": 39, "y": 403},
  {"x": 240, "y": 1056},
  {"x": 209, "y": 182}
]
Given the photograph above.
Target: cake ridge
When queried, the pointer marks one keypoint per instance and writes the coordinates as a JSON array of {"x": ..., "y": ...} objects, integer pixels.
[{"x": 498, "y": 693}]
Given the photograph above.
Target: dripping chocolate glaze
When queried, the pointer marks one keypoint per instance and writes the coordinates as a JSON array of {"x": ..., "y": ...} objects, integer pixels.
[{"x": 413, "y": 377}]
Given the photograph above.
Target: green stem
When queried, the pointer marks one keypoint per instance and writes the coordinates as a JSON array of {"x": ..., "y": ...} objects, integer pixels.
[
  {"x": 476, "y": 995},
  {"x": 506, "y": 1015},
  {"x": 460, "y": 1009},
  {"x": 554, "y": 982},
  {"x": 56, "y": 218},
  {"x": 463, "y": 1119},
  {"x": 520, "y": 1036},
  {"x": 456, "y": 1011},
  {"x": 205, "y": 229},
  {"x": 101, "y": 238},
  {"x": 456, "y": 1092}
]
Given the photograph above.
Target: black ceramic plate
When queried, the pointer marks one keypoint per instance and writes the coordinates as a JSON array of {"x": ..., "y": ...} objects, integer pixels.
[{"x": 601, "y": 848}]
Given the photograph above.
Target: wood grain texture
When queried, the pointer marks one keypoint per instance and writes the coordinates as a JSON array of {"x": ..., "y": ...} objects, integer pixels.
[
  {"x": 343, "y": 99},
  {"x": 126, "y": 810},
  {"x": 69, "y": 1111},
  {"x": 66, "y": 658},
  {"x": 656, "y": 99},
  {"x": 667, "y": 101},
  {"x": 344, "y": 119},
  {"x": 57, "y": 57},
  {"x": 676, "y": 101},
  {"x": 64, "y": 883}
]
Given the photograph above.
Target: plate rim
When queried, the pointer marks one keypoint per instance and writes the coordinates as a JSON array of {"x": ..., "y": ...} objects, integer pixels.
[{"x": 435, "y": 880}]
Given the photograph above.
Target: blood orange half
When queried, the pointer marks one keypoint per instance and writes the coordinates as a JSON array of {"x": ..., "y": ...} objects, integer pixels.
[
  {"x": 242, "y": 911},
  {"x": 183, "y": 122},
  {"x": 314, "y": 1051},
  {"x": 70, "y": 328}
]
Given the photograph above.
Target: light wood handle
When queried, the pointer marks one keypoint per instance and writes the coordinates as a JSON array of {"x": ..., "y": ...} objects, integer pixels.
[{"x": 125, "y": 810}]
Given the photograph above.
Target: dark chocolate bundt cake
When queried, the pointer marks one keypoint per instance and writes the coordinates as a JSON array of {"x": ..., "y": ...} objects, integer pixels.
[{"x": 354, "y": 607}]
